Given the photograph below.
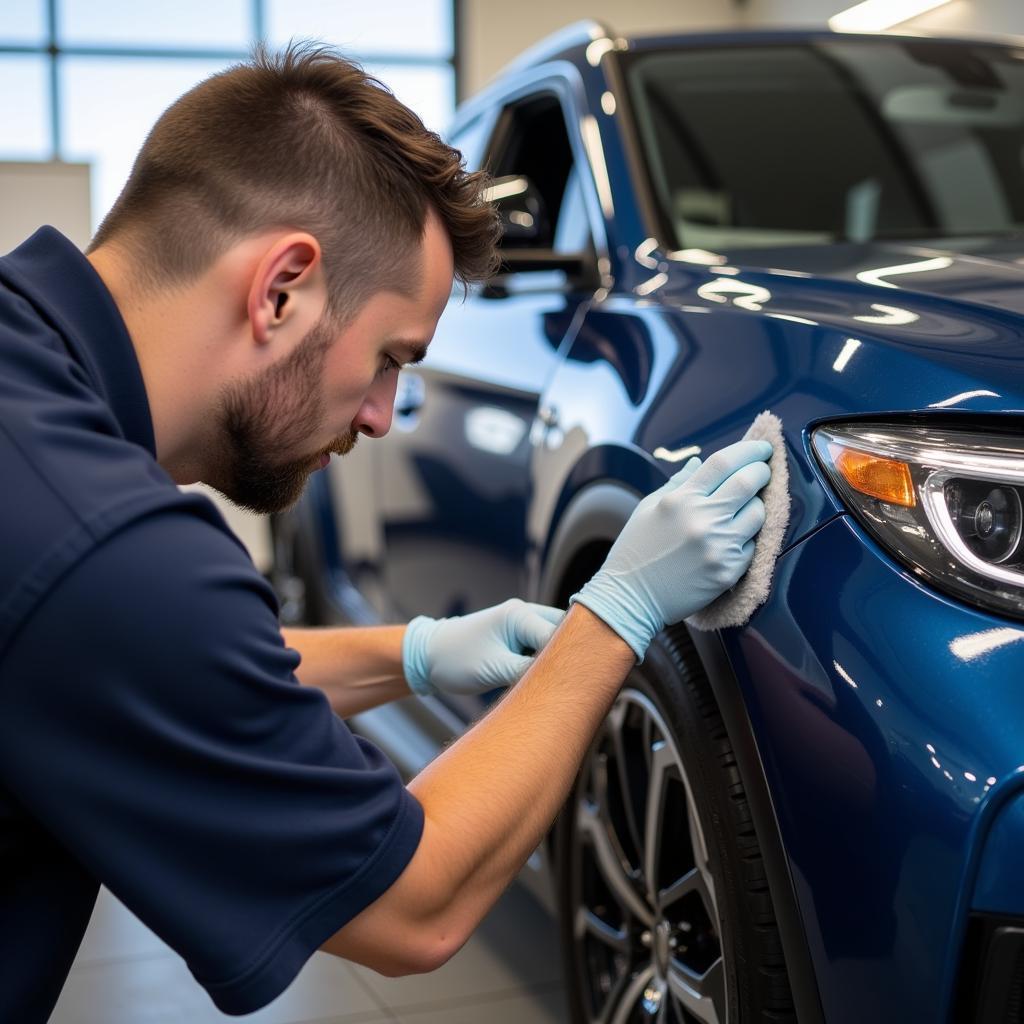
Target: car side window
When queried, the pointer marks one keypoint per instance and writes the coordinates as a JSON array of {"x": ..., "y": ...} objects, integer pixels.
[
  {"x": 531, "y": 140},
  {"x": 572, "y": 232}
]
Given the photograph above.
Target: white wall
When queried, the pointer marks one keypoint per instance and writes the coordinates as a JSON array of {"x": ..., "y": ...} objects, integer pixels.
[{"x": 32, "y": 194}]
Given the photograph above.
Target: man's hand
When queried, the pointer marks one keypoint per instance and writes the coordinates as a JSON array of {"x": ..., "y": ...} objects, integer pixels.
[
  {"x": 684, "y": 544},
  {"x": 478, "y": 652}
]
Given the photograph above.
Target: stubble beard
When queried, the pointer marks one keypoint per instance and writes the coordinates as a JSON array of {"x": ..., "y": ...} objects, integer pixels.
[{"x": 278, "y": 410}]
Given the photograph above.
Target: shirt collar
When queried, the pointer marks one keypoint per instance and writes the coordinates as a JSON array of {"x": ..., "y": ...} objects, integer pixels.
[{"x": 51, "y": 272}]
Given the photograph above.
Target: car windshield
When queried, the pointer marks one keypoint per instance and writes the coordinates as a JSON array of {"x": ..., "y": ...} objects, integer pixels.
[{"x": 824, "y": 141}]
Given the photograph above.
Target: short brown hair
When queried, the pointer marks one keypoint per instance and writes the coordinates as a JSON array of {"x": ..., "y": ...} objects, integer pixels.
[{"x": 303, "y": 138}]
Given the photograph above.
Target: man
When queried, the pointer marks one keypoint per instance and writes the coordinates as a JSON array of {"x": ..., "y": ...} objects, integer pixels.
[{"x": 288, "y": 237}]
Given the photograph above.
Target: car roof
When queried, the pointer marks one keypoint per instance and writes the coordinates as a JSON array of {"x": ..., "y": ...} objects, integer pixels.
[
  {"x": 748, "y": 37},
  {"x": 573, "y": 42},
  {"x": 560, "y": 44}
]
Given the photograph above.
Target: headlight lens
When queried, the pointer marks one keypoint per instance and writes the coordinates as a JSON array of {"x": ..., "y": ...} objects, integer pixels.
[{"x": 949, "y": 504}]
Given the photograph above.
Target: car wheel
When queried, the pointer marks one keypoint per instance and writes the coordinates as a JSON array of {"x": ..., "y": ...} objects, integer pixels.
[
  {"x": 665, "y": 911},
  {"x": 297, "y": 574}
]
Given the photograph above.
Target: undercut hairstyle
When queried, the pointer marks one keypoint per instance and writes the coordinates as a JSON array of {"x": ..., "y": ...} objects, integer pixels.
[{"x": 301, "y": 139}]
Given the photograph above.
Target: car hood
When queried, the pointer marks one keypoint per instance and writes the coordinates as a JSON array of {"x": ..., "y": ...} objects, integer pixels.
[
  {"x": 982, "y": 271},
  {"x": 963, "y": 309}
]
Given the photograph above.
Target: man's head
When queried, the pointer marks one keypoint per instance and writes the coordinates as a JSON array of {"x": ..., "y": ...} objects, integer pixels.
[
  {"x": 279, "y": 424},
  {"x": 331, "y": 223}
]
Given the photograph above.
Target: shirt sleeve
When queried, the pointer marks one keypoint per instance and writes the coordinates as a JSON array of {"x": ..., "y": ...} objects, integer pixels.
[{"x": 153, "y": 723}]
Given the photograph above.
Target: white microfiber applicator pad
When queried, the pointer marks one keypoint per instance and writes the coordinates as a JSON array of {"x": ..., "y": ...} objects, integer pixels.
[{"x": 735, "y": 606}]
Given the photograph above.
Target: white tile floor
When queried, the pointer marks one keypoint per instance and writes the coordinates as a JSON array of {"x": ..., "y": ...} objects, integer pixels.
[{"x": 509, "y": 973}]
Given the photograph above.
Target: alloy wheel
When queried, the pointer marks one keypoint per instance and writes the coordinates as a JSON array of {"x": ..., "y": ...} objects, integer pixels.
[{"x": 646, "y": 923}]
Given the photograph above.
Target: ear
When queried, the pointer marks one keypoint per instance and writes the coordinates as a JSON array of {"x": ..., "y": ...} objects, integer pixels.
[{"x": 288, "y": 277}]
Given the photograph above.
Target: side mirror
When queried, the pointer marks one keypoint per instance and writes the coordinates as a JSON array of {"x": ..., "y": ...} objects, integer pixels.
[
  {"x": 528, "y": 236},
  {"x": 521, "y": 210}
]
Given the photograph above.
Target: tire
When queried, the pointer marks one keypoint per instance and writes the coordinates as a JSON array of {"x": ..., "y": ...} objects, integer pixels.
[
  {"x": 297, "y": 574},
  {"x": 659, "y": 800}
]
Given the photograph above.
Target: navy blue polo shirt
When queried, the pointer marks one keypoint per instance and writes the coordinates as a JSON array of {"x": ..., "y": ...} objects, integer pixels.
[{"x": 153, "y": 736}]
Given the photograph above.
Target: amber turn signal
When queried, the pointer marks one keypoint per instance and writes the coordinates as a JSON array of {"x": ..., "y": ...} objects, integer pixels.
[{"x": 874, "y": 475}]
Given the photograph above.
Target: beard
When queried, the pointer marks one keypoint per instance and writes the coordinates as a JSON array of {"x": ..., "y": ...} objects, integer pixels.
[{"x": 274, "y": 411}]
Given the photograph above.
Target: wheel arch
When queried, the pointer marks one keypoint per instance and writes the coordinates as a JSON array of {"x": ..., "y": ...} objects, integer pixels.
[{"x": 586, "y": 530}]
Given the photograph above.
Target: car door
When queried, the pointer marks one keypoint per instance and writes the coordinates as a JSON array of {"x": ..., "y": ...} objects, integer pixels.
[{"x": 453, "y": 484}]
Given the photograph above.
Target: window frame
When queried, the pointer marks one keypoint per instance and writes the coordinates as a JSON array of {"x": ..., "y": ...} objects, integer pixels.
[{"x": 535, "y": 84}]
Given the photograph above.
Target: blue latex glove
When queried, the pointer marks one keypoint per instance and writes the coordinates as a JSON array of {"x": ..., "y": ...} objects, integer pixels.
[
  {"x": 478, "y": 652},
  {"x": 684, "y": 544}
]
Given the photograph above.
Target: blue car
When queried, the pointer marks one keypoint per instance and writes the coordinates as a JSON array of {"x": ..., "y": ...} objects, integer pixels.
[{"x": 818, "y": 816}]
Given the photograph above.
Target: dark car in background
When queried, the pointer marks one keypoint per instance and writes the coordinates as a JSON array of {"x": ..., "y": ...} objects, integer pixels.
[{"x": 818, "y": 816}]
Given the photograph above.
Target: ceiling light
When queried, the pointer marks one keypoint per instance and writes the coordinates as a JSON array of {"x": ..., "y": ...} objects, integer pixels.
[{"x": 877, "y": 15}]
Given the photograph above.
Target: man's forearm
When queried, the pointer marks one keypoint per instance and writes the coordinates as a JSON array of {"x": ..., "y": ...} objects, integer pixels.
[
  {"x": 357, "y": 667},
  {"x": 490, "y": 798},
  {"x": 522, "y": 758}
]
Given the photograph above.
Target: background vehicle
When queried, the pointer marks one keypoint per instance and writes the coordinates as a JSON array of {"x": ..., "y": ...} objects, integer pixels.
[{"x": 817, "y": 816}]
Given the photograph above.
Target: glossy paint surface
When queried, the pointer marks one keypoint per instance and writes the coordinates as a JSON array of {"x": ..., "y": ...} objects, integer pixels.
[
  {"x": 888, "y": 723},
  {"x": 887, "y": 715}
]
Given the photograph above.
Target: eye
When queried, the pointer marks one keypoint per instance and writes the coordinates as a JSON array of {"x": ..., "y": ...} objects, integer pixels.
[{"x": 389, "y": 364}]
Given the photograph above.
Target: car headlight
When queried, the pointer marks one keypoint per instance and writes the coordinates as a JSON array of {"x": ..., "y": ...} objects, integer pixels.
[{"x": 947, "y": 503}]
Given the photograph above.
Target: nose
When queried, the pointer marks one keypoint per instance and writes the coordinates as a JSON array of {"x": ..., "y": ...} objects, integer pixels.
[{"x": 374, "y": 416}]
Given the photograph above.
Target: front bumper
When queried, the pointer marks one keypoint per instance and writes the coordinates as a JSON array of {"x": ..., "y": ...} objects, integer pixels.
[
  {"x": 991, "y": 981},
  {"x": 888, "y": 719}
]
